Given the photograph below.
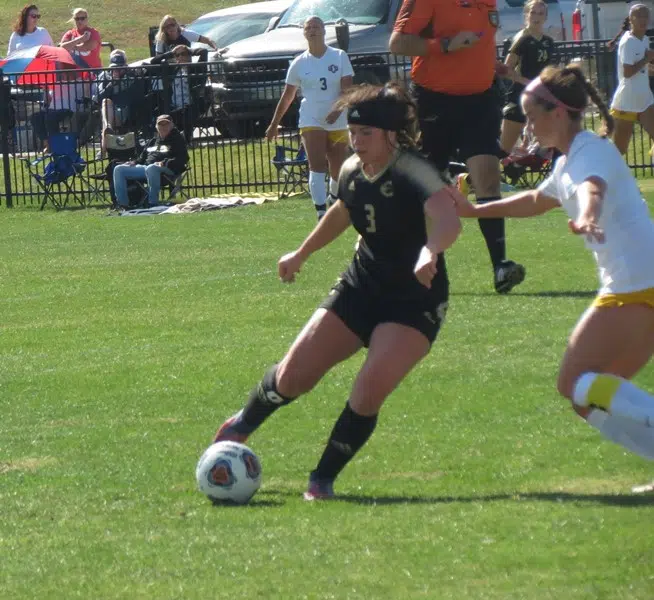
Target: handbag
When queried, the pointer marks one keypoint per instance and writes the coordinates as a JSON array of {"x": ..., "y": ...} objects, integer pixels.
[{"x": 120, "y": 142}]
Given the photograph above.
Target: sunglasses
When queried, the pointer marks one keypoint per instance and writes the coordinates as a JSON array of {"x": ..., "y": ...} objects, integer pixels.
[
  {"x": 81, "y": 18},
  {"x": 35, "y": 16}
]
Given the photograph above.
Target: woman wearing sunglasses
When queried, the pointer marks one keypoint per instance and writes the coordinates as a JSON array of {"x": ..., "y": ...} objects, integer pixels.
[
  {"x": 27, "y": 33},
  {"x": 172, "y": 34},
  {"x": 83, "y": 42}
]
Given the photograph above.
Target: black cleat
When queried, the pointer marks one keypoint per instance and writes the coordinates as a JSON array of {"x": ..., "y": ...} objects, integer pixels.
[{"x": 507, "y": 275}]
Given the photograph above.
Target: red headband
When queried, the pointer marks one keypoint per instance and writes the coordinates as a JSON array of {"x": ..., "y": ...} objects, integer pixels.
[{"x": 537, "y": 88}]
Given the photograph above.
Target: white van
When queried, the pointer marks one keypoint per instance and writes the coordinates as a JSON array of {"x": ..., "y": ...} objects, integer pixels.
[{"x": 602, "y": 19}]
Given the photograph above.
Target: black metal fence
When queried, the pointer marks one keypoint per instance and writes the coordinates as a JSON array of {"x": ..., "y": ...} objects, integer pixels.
[{"x": 223, "y": 108}]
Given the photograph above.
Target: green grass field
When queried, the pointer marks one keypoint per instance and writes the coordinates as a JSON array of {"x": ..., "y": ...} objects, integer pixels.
[{"x": 125, "y": 341}]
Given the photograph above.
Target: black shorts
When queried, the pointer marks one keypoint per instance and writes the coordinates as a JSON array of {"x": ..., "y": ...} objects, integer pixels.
[
  {"x": 458, "y": 127},
  {"x": 362, "y": 312},
  {"x": 512, "y": 109}
]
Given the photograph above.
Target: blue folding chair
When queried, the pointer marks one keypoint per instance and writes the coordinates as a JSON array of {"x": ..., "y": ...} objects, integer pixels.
[
  {"x": 292, "y": 170},
  {"x": 58, "y": 173}
]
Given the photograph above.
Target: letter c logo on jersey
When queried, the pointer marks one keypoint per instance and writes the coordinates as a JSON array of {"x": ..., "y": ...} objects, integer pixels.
[
  {"x": 386, "y": 189},
  {"x": 332, "y": 68}
]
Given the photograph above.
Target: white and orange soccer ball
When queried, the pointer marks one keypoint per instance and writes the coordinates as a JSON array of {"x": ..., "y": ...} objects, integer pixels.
[{"x": 228, "y": 472}]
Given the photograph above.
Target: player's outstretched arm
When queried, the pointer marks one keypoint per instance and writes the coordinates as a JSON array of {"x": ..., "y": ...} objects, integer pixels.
[
  {"x": 335, "y": 222},
  {"x": 524, "y": 204}
]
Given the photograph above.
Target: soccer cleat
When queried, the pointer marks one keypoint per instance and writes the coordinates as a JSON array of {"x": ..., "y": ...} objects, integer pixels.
[
  {"x": 319, "y": 489},
  {"x": 228, "y": 433},
  {"x": 507, "y": 275}
]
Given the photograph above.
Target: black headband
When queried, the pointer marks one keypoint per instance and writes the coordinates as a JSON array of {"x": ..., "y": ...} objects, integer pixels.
[{"x": 381, "y": 112}]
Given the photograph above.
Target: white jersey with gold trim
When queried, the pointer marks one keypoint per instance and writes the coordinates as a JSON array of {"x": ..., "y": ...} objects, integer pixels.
[{"x": 625, "y": 261}]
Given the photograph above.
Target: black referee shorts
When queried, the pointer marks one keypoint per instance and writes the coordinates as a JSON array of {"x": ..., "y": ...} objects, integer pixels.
[
  {"x": 458, "y": 127},
  {"x": 362, "y": 312},
  {"x": 512, "y": 109}
]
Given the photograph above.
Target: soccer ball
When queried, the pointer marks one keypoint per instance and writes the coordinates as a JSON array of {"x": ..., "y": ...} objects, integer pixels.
[{"x": 228, "y": 472}]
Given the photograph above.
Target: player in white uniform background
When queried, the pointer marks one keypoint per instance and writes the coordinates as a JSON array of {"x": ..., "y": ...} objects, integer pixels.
[
  {"x": 633, "y": 99},
  {"x": 614, "y": 339},
  {"x": 321, "y": 73}
]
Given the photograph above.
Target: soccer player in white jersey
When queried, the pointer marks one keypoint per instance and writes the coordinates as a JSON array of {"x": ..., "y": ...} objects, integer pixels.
[
  {"x": 322, "y": 73},
  {"x": 633, "y": 99},
  {"x": 614, "y": 339}
]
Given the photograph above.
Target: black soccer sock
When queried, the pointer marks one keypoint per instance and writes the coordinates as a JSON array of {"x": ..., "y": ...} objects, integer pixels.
[
  {"x": 350, "y": 433},
  {"x": 264, "y": 400},
  {"x": 493, "y": 232}
]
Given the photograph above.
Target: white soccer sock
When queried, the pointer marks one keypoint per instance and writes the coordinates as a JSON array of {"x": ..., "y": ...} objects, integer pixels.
[
  {"x": 615, "y": 395},
  {"x": 633, "y": 436},
  {"x": 333, "y": 187},
  {"x": 318, "y": 188}
]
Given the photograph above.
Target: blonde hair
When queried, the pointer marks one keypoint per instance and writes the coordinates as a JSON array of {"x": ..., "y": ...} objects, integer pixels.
[
  {"x": 77, "y": 11},
  {"x": 162, "y": 36},
  {"x": 529, "y": 6}
]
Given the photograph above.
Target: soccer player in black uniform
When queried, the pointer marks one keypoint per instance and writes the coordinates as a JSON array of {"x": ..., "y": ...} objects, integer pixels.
[
  {"x": 530, "y": 52},
  {"x": 392, "y": 298}
]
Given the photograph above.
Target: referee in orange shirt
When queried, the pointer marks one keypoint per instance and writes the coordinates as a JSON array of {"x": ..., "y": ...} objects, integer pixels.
[{"x": 453, "y": 45}]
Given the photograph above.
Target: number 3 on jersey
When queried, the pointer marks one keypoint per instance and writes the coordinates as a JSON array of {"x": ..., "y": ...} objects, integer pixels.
[
  {"x": 323, "y": 83},
  {"x": 370, "y": 215}
]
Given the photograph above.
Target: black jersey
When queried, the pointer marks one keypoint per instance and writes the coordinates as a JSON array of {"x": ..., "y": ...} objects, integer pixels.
[
  {"x": 534, "y": 56},
  {"x": 388, "y": 212}
]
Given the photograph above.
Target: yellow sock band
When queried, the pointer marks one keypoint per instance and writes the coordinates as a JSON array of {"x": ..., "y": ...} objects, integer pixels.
[{"x": 602, "y": 390}]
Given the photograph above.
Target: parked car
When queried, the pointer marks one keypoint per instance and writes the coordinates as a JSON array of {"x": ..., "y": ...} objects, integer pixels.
[
  {"x": 249, "y": 77},
  {"x": 229, "y": 25}
]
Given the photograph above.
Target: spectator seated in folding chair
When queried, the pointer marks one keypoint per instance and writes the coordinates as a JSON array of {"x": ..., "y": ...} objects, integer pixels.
[
  {"x": 527, "y": 165},
  {"x": 67, "y": 105},
  {"x": 63, "y": 168},
  {"x": 187, "y": 92},
  {"x": 119, "y": 149},
  {"x": 292, "y": 167},
  {"x": 165, "y": 156},
  {"x": 120, "y": 93}
]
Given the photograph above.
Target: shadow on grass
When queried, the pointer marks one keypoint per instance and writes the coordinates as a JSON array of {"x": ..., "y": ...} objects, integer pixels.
[
  {"x": 544, "y": 294},
  {"x": 627, "y": 499},
  {"x": 256, "y": 502},
  {"x": 559, "y": 497}
]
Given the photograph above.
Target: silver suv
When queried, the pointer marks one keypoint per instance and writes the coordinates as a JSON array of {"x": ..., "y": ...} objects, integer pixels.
[{"x": 250, "y": 74}]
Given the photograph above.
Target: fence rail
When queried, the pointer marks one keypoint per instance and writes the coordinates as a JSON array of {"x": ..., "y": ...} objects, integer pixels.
[{"x": 223, "y": 109}]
